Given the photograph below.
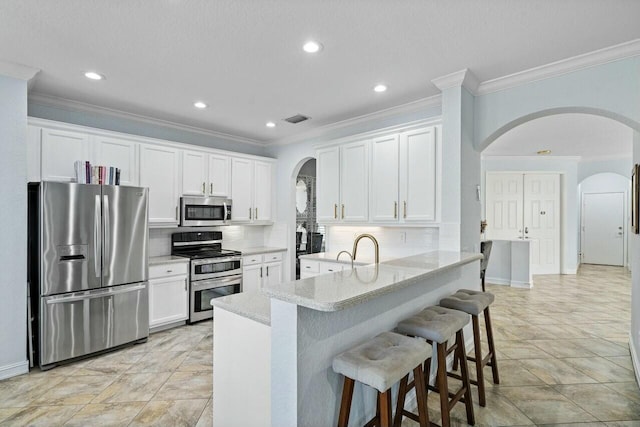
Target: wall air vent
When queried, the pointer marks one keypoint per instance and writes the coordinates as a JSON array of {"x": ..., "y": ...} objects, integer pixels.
[{"x": 296, "y": 119}]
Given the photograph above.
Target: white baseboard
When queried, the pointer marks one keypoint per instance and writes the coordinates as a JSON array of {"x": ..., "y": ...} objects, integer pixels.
[
  {"x": 634, "y": 359},
  {"x": 13, "y": 370},
  {"x": 497, "y": 281},
  {"x": 524, "y": 285}
]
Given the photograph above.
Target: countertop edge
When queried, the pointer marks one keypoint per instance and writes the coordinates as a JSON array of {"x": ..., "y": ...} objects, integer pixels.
[
  {"x": 258, "y": 250},
  {"x": 351, "y": 302},
  {"x": 167, "y": 259},
  {"x": 241, "y": 310}
]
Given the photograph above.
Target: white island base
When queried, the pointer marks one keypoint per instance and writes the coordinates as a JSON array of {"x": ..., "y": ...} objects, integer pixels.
[{"x": 312, "y": 321}]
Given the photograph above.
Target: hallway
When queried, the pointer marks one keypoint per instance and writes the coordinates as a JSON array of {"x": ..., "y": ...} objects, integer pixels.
[{"x": 563, "y": 354}]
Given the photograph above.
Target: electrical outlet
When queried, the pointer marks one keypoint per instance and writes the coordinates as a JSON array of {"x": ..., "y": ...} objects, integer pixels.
[{"x": 403, "y": 237}]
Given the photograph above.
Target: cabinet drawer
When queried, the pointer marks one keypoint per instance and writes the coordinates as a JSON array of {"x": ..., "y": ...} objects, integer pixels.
[
  {"x": 251, "y": 259},
  {"x": 307, "y": 274},
  {"x": 309, "y": 266},
  {"x": 277, "y": 256},
  {"x": 165, "y": 270},
  {"x": 330, "y": 267}
]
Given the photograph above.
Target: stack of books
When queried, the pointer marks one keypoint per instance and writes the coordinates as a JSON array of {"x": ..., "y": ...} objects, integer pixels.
[{"x": 88, "y": 174}]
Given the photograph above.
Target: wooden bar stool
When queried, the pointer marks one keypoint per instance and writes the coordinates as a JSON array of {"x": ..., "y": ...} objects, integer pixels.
[
  {"x": 380, "y": 363},
  {"x": 438, "y": 325},
  {"x": 475, "y": 303}
]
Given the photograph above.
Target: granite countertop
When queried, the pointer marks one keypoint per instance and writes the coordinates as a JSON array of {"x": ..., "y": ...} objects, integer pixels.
[
  {"x": 256, "y": 250},
  {"x": 253, "y": 305},
  {"x": 344, "y": 258},
  {"x": 344, "y": 289},
  {"x": 167, "y": 259}
]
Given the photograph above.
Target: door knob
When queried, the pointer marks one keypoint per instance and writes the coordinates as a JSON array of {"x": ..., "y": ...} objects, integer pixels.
[{"x": 526, "y": 229}]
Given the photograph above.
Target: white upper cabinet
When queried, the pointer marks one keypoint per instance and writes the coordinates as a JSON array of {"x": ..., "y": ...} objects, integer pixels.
[
  {"x": 328, "y": 188},
  {"x": 251, "y": 190},
  {"x": 354, "y": 186},
  {"x": 159, "y": 170},
  {"x": 262, "y": 195},
  {"x": 60, "y": 149},
  {"x": 242, "y": 189},
  {"x": 419, "y": 175},
  {"x": 119, "y": 153},
  {"x": 219, "y": 175},
  {"x": 194, "y": 173},
  {"x": 385, "y": 155},
  {"x": 389, "y": 179}
]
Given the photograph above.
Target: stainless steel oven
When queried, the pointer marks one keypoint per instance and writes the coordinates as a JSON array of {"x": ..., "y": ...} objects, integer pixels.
[
  {"x": 204, "y": 211},
  {"x": 203, "y": 291},
  {"x": 214, "y": 272}
]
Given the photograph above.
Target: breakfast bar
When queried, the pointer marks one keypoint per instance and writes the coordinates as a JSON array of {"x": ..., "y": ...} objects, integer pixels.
[{"x": 307, "y": 323}]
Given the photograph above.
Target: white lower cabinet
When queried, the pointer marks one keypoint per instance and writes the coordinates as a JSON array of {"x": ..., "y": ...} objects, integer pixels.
[
  {"x": 312, "y": 268},
  {"x": 168, "y": 293},
  {"x": 260, "y": 270}
]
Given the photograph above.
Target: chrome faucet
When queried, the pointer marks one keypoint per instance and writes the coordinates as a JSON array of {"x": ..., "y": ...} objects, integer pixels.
[{"x": 376, "y": 246}]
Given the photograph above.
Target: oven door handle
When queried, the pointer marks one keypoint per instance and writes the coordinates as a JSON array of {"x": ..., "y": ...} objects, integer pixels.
[
  {"x": 215, "y": 283},
  {"x": 215, "y": 260}
]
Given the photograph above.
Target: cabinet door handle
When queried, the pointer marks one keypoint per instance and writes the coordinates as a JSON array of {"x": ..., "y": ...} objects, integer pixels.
[
  {"x": 185, "y": 285},
  {"x": 177, "y": 213},
  {"x": 335, "y": 211},
  {"x": 256, "y": 213},
  {"x": 251, "y": 218},
  {"x": 395, "y": 210},
  {"x": 267, "y": 271},
  {"x": 343, "y": 211},
  {"x": 405, "y": 209},
  {"x": 204, "y": 188},
  {"x": 260, "y": 272},
  {"x": 169, "y": 271},
  {"x": 211, "y": 188}
]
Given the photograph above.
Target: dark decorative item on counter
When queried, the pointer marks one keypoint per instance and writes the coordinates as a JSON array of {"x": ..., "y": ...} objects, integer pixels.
[{"x": 635, "y": 199}]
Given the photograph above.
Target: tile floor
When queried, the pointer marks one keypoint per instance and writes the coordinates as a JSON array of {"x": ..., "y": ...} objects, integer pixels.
[{"x": 562, "y": 347}]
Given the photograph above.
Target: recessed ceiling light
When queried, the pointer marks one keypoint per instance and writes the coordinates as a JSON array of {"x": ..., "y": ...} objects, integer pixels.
[
  {"x": 94, "y": 76},
  {"x": 543, "y": 152},
  {"x": 200, "y": 104},
  {"x": 312, "y": 47},
  {"x": 380, "y": 88},
  {"x": 271, "y": 125}
]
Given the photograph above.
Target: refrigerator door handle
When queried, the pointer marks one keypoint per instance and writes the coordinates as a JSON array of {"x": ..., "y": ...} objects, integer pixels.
[
  {"x": 94, "y": 294},
  {"x": 107, "y": 236},
  {"x": 97, "y": 236}
]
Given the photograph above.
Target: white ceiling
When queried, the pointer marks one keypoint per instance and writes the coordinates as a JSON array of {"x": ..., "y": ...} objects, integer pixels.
[
  {"x": 244, "y": 57},
  {"x": 583, "y": 135}
]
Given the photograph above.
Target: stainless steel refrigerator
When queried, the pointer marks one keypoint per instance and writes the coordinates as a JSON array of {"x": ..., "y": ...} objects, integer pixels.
[{"x": 88, "y": 268}]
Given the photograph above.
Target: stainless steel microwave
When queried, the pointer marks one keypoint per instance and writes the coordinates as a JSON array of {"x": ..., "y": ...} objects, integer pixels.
[{"x": 204, "y": 211}]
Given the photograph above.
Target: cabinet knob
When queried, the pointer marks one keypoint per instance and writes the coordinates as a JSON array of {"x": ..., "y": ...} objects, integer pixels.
[{"x": 169, "y": 271}]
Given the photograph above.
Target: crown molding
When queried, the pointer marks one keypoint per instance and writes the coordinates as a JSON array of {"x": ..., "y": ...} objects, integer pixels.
[
  {"x": 545, "y": 157},
  {"x": 420, "y": 104},
  {"x": 17, "y": 71},
  {"x": 77, "y": 106},
  {"x": 463, "y": 78},
  {"x": 564, "y": 66}
]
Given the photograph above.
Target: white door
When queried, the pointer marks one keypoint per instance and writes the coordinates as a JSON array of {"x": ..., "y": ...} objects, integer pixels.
[
  {"x": 328, "y": 184},
  {"x": 60, "y": 150},
  {"x": 159, "y": 168},
  {"x": 252, "y": 278},
  {"x": 418, "y": 173},
  {"x": 504, "y": 206},
  {"x": 168, "y": 300},
  {"x": 219, "y": 175},
  {"x": 542, "y": 221},
  {"x": 118, "y": 153},
  {"x": 242, "y": 189},
  {"x": 262, "y": 191},
  {"x": 384, "y": 179},
  {"x": 273, "y": 273},
  {"x": 603, "y": 228},
  {"x": 194, "y": 173},
  {"x": 354, "y": 195}
]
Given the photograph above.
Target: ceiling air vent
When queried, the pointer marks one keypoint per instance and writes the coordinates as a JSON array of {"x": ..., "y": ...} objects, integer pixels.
[{"x": 296, "y": 119}]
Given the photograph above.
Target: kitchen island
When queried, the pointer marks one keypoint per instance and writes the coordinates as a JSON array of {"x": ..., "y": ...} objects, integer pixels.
[{"x": 313, "y": 320}]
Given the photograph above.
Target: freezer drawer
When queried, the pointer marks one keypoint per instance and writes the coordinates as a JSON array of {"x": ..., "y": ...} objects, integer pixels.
[{"x": 80, "y": 323}]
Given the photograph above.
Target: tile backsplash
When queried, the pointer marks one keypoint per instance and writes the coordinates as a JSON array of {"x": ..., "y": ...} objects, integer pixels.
[
  {"x": 394, "y": 242},
  {"x": 236, "y": 236}
]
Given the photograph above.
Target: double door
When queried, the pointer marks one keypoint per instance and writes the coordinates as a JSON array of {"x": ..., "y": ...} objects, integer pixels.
[
  {"x": 526, "y": 206},
  {"x": 251, "y": 192},
  {"x": 205, "y": 174}
]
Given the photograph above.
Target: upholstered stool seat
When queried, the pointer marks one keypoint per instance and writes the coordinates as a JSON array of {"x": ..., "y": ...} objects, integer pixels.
[
  {"x": 380, "y": 363},
  {"x": 472, "y": 302},
  {"x": 476, "y": 303},
  {"x": 437, "y": 325}
]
